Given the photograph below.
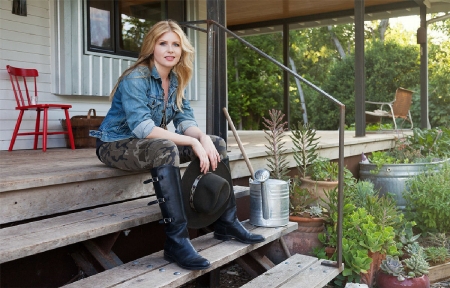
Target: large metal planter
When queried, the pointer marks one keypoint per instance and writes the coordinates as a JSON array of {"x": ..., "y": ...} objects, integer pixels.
[{"x": 392, "y": 178}]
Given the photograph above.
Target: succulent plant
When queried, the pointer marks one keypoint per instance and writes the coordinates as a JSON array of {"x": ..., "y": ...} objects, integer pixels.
[
  {"x": 415, "y": 249},
  {"x": 416, "y": 265},
  {"x": 315, "y": 211},
  {"x": 393, "y": 266}
]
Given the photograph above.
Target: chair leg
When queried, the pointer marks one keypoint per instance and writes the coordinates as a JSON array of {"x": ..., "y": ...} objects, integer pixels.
[
  {"x": 410, "y": 119},
  {"x": 36, "y": 128},
  {"x": 16, "y": 130},
  {"x": 44, "y": 135},
  {"x": 395, "y": 122},
  {"x": 69, "y": 129}
]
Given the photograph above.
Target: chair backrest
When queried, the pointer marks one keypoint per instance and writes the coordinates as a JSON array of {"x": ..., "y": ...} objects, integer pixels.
[
  {"x": 402, "y": 103},
  {"x": 20, "y": 75}
]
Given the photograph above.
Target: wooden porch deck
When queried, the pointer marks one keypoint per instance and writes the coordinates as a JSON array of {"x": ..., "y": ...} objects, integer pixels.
[
  {"x": 84, "y": 202},
  {"x": 34, "y": 183}
]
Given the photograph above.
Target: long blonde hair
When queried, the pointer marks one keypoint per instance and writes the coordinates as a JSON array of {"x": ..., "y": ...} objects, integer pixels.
[{"x": 183, "y": 69}]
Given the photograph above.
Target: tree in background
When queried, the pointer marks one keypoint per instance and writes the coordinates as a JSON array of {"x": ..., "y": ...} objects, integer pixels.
[
  {"x": 254, "y": 83},
  {"x": 325, "y": 57}
]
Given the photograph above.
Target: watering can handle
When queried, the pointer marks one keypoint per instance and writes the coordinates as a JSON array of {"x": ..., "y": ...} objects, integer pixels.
[{"x": 265, "y": 201}]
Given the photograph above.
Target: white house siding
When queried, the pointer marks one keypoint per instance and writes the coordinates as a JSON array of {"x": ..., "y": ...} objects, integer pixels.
[{"x": 33, "y": 42}]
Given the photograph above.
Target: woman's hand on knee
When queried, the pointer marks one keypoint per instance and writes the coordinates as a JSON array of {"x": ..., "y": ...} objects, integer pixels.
[
  {"x": 202, "y": 156},
  {"x": 211, "y": 151}
]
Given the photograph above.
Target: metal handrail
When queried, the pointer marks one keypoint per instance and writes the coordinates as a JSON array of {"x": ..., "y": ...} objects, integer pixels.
[{"x": 210, "y": 84}]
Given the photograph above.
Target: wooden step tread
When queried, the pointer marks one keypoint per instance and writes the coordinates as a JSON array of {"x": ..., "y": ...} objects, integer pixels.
[
  {"x": 315, "y": 276},
  {"x": 39, "y": 236},
  {"x": 300, "y": 271},
  {"x": 154, "y": 271}
]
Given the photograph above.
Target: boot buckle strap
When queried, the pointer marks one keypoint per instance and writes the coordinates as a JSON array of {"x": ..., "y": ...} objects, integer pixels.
[
  {"x": 157, "y": 201},
  {"x": 151, "y": 180}
]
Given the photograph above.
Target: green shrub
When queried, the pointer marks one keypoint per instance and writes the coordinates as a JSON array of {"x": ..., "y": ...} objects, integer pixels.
[{"x": 428, "y": 200}]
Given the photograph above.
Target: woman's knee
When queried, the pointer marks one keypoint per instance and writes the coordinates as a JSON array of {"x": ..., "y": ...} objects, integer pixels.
[{"x": 164, "y": 152}]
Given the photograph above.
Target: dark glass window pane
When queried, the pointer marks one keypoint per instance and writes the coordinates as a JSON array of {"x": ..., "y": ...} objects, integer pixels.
[
  {"x": 136, "y": 17},
  {"x": 100, "y": 13}
]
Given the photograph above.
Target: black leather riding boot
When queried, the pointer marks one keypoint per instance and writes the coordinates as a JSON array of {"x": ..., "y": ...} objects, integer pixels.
[
  {"x": 229, "y": 227},
  {"x": 167, "y": 182}
]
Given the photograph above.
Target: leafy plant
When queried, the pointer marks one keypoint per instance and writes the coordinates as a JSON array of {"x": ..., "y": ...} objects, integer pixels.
[
  {"x": 305, "y": 144},
  {"x": 308, "y": 162},
  {"x": 427, "y": 199},
  {"x": 300, "y": 198},
  {"x": 423, "y": 146},
  {"x": 382, "y": 208},
  {"x": 277, "y": 158},
  {"x": 437, "y": 255},
  {"x": 361, "y": 235},
  {"x": 324, "y": 170}
]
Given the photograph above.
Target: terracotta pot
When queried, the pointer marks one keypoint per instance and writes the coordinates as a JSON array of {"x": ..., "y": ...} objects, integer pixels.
[
  {"x": 330, "y": 251},
  {"x": 369, "y": 277},
  {"x": 388, "y": 281},
  {"x": 305, "y": 238},
  {"x": 318, "y": 188}
]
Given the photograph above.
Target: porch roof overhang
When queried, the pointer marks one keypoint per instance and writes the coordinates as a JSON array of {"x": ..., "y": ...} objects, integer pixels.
[{"x": 244, "y": 16}]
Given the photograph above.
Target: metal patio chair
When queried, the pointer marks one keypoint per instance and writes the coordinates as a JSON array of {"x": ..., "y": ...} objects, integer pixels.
[{"x": 399, "y": 108}]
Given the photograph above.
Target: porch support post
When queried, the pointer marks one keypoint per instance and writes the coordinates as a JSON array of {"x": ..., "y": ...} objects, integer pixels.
[
  {"x": 360, "y": 75},
  {"x": 423, "y": 41},
  {"x": 218, "y": 97},
  {"x": 285, "y": 73}
]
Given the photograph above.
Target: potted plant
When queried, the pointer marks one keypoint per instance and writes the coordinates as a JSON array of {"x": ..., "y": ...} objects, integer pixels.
[
  {"x": 368, "y": 231},
  {"x": 316, "y": 174},
  {"x": 302, "y": 207},
  {"x": 411, "y": 272},
  {"x": 310, "y": 218},
  {"x": 424, "y": 151}
]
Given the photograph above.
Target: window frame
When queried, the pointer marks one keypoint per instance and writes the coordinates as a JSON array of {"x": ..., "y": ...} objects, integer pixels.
[{"x": 171, "y": 9}]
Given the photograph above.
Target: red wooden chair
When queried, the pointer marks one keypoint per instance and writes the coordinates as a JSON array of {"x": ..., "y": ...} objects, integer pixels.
[{"x": 17, "y": 76}]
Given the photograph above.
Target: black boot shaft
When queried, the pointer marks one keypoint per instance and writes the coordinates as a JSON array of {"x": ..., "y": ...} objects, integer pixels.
[{"x": 178, "y": 247}]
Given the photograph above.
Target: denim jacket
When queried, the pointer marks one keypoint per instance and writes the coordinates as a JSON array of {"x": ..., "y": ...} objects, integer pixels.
[{"x": 137, "y": 107}]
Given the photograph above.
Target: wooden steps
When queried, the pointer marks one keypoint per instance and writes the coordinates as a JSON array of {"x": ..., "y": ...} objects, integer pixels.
[
  {"x": 39, "y": 236},
  {"x": 299, "y": 271},
  {"x": 153, "y": 271}
]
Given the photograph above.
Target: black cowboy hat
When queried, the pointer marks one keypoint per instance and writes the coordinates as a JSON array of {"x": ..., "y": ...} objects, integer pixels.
[{"x": 205, "y": 196}]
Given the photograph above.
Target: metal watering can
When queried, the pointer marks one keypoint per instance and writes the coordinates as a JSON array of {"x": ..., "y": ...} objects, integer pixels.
[{"x": 269, "y": 200}]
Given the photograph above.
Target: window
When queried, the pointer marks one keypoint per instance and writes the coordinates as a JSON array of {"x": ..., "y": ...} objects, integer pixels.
[{"x": 119, "y": 26}]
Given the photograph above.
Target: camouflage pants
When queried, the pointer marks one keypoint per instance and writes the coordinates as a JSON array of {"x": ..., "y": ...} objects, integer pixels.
[{"x": 144, "y": 154}]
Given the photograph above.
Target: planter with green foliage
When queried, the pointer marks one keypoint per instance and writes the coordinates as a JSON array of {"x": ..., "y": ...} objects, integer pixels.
[
  {"x": 317, "y": 174},
  {"x": 423, "y": 152},
  {"x": 368, "y": 231},
  {"x": 410, "y": 272}
]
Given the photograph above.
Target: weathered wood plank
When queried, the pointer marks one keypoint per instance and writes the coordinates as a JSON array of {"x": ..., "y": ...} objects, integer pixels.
[
  {"x": 139, "y": 273},
  {"x": 315, "y": 276},
  {"x": 39, "y": 236},
  {"x": 283, "y": 272},
  {"x": 218, "y": 255},
  {"x": 76, "y": 227},
  {"x": 48, "y": 200},
  {"x": 439, "y": 272}
]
